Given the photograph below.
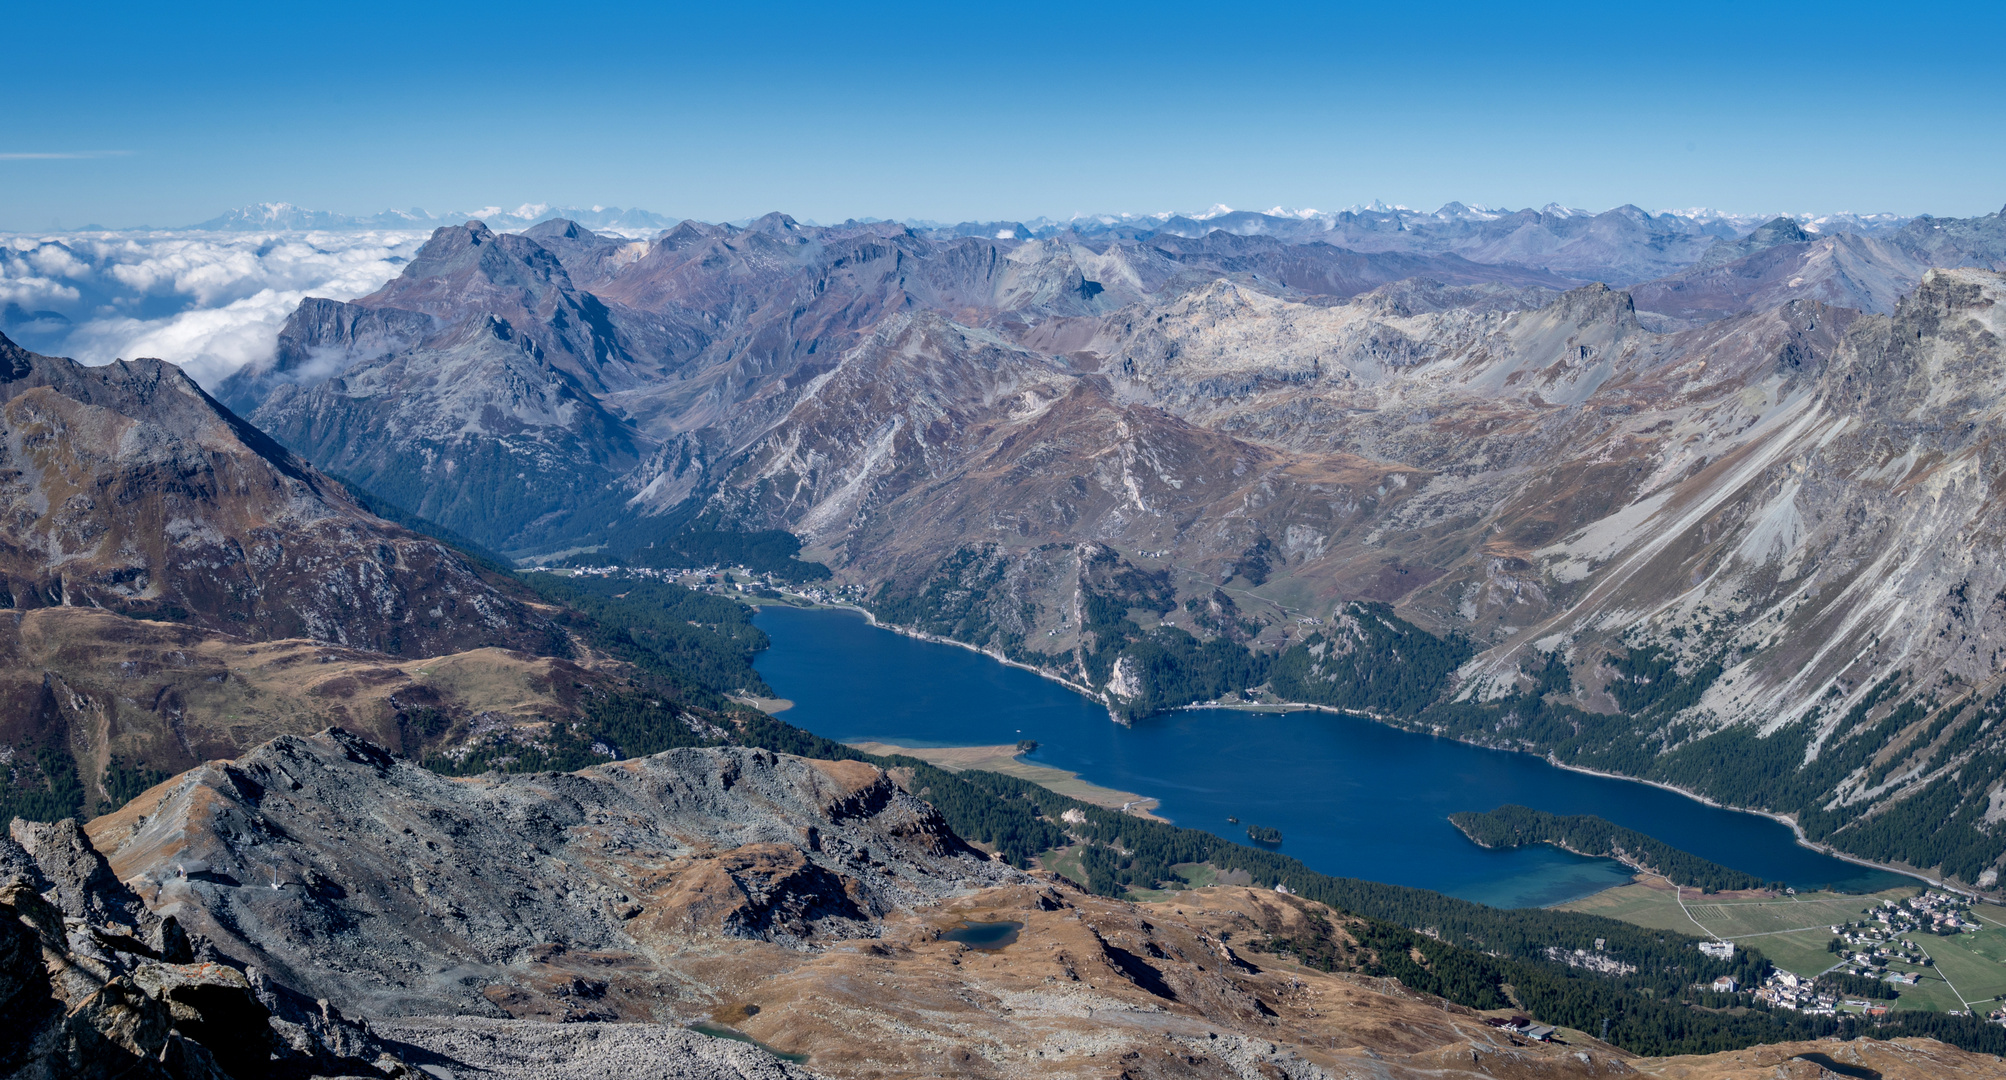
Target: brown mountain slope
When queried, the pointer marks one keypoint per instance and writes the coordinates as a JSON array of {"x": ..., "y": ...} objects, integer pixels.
[
  {"x": 130, "y": 701},
  {"x": 126, "y": 487},
  {"x": 177, "y": 587}
]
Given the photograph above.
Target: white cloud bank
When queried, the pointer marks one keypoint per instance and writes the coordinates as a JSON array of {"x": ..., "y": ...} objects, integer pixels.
[{"x": 209, "y": 302}]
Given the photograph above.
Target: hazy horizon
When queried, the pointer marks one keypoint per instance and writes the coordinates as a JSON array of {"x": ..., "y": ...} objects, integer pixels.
[
  {"x": 168, "y": 117},
  {"x": 514, "y": 210}
]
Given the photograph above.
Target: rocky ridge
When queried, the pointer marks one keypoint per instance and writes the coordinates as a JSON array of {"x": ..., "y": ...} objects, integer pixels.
[
  {"x": 95, "y": 984},
  {"x": 779, "y": 898},
  {"x": 547, "y": 894}
]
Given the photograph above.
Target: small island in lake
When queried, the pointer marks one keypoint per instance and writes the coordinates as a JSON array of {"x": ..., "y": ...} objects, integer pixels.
[{"x": 1264, "y": 834}]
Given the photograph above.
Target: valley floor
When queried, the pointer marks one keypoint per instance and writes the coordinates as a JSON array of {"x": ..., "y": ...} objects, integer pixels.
[{"x": 1968, "y": 970}]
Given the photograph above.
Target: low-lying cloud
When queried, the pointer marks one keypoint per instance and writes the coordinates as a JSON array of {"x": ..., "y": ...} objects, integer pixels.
[{"x": 210, "y": 302}]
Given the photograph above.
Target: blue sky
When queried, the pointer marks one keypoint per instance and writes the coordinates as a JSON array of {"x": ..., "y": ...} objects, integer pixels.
[{"x": 170, "y": 114}]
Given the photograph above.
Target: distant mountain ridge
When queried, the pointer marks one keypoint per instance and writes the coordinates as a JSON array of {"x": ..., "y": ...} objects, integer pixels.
[
  {"x": 285, "y": 217},
  {"x": 282, "y": 216}
]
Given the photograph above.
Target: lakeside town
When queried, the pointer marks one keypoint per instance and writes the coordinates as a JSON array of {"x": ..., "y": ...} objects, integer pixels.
[{"x": 717, "y": 578}]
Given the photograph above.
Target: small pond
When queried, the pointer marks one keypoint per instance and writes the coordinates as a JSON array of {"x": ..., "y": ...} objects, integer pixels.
[
  {"x": 987, "y": 936},
  {"x": 719, "y": 1031}
]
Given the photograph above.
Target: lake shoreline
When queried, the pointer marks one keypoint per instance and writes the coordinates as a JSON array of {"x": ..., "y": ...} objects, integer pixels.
[
  {"x": 1788, "y": 820},
  {"x": 1008, "y": 761},
  {"x": 863, "y": 725},
  {"x": 1785, "y": 819},
  {"x": 921, "y": 635}
]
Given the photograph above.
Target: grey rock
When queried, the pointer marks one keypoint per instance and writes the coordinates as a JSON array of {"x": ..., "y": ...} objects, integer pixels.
[
  {"x": 85, "y": 996},
  {"x": 462, "y": 1047},
  {"x": 386, "y": 889}
]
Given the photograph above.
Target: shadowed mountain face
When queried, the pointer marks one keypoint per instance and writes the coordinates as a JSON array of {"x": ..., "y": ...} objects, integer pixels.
[{"x": 1104, "y": 453}]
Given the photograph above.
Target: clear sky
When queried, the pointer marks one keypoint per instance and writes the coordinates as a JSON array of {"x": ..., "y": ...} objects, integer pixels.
[{"x": 168, "y": 114}]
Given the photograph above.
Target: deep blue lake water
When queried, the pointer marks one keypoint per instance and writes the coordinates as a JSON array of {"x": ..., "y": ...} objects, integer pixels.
[{"x": 1351, "y": 797}]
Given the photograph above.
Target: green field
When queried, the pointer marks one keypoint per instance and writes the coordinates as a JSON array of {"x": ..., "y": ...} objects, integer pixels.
[
  {"x": 1794, "y": 931},
  {"x": 1974, "y": 963},
  {"x": 1760, "y": 920},
  {"x": 1065, "y": 862},
  {"x": 1791, "y": 930}
]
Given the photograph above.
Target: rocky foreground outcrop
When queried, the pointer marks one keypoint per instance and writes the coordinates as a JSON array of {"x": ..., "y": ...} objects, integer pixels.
[
  {"x": 390, "y": 890},
  {"x": 804, "y": 904},
  {"x": 94, "y": 984}
]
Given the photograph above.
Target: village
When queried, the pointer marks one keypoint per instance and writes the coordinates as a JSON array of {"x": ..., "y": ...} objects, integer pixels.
[
  {"x": 1878, "y": 950},
  {"x": 717, "y": 579}
]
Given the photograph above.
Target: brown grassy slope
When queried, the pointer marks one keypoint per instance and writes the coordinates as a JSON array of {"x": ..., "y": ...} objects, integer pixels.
[{"x": 128, "y": 693}]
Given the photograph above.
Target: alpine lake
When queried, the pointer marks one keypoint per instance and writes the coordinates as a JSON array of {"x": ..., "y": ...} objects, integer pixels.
[{"x": 1349, "y": 796}]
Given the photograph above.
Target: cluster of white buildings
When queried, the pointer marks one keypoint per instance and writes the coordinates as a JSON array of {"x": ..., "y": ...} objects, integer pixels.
[
  {"x": 1785, "y": 990},
  {"x": 1930, "y": 912},
  {"x": 1869, "y": 945},
  {"x": 708, "y": 579}
]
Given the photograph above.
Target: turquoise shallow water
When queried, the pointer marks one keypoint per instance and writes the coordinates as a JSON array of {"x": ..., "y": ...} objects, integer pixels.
[{"x": 1351, "y": 797}]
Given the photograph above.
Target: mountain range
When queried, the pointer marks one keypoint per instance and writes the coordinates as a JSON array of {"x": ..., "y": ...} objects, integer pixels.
[
  {"x": 1368, "y": 217},
  {"x": 285, "y": 217},
  {"x": 1101, "y": 455},
  {"x": 1698, "y": 503}
]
